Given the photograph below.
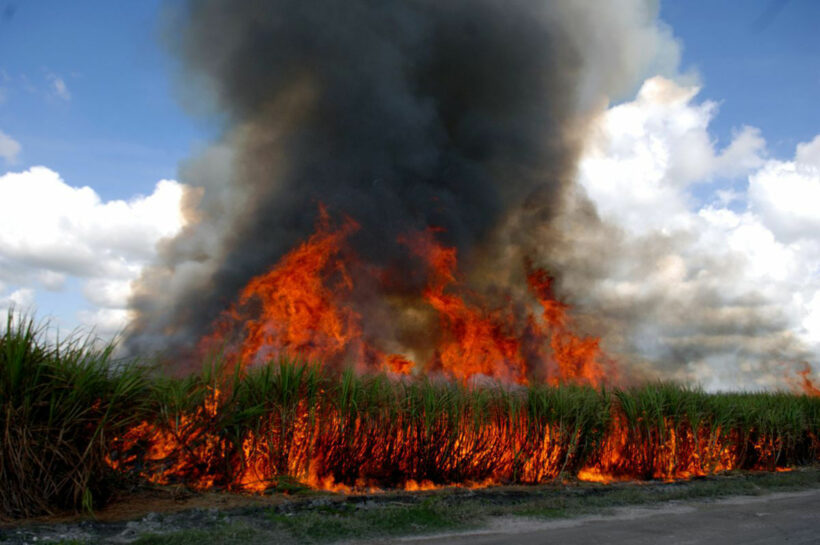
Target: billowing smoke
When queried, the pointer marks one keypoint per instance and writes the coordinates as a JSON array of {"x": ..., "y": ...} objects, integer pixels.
[
  {"x": 704, "y": 287},
  {"x": 402, "y": 114}
]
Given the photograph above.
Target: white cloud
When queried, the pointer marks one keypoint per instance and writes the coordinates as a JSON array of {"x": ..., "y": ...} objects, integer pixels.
[
  {"x": 51, "y": 280},
  {"x": 643, "y": 154},
  {"x": 107, "y": 292},
  {"x": 786, "y": 194},
  {"x": 51, "y": 231},
  {"x": 726, "y": 293},
  {"x": 20, "y": 298},
  {"x": 743, "y": 154},
  {"x": 9, "y": 148},
  {"x": 808, "y": 154},
  {"x": 20, "y": 301},
  {"x": 59, "y": 88},
  {"x": 106, "y": 322}
]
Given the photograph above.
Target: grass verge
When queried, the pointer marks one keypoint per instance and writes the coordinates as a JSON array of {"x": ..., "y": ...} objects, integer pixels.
[{"x": 342, "y": 519}]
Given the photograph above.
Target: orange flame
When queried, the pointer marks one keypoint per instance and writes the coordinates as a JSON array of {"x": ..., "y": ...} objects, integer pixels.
[
  {"x": 578, "y": 359},
  {"x": 473, "y": 340},
  {"x": 327, "y": 448},
  {"x": 306, "y": 306},
  {"x": 298, "y": 307},
  {"x": 806, "y": 384}
]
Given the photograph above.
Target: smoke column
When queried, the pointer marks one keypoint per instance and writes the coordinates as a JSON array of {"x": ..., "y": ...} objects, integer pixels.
[
  {"x": 668, "y": 285},
  {"x": 402, "y": 114}
]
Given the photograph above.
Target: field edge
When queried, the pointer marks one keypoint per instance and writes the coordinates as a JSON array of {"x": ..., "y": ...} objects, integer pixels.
[{"x": 170, "y": 516}]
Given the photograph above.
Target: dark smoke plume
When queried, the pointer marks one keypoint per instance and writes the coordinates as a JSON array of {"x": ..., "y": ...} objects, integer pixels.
[{"x": 402, "y": 114}]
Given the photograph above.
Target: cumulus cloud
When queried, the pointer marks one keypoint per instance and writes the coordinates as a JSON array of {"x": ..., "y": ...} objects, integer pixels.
[
  {"x": 728, "y": 296},
  {"x": 9, "y": 148},
  {"x": 16, "y": 299},
  {"x": 785, "y": 194},
  {"x": 643, "y": 155},
  {"x": 51, "y": 231}
]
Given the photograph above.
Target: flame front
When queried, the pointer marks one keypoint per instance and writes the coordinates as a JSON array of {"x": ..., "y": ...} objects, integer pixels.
[
  {"x": 538, "y": 415},
  {"x": 346, "y": 433}
]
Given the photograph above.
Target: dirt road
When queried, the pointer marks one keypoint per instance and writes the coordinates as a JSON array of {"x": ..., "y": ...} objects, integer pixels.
[{"x": 772, "y": 519}]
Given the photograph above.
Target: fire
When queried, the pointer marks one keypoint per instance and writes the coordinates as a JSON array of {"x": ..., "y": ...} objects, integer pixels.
[
  {"x": 806, "y": 384},
  {"x": 578, "y": 358},
  {"x": 149, "y": 445},
  {"x": 474, "y": 340},
  {"x": 326, "y": 436},
  {"x": 671, "y": 451},
  {"x": 417, "y": 434},
  {"x": 800, "y": 381},
  {"x": 596, "y": 475},
  {"x": 304, "y": 307},
  {"x": 300, "y": 303},
  {"x": 413, "y": 486}
]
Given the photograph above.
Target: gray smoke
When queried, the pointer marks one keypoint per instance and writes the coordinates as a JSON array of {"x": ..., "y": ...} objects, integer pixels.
[
  {"x": 402, "y": 114},
  {"x": 700, "y": 327}
]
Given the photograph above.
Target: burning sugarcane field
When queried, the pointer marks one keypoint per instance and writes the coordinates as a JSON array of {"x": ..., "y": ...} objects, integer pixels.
[{"x": 411, "y": 266}]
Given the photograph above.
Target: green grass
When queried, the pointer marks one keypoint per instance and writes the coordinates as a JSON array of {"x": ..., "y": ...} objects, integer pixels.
[
  {"x": 60, "y": 404},
  {"x": 451, "y": 511},
  {"x": 606, "y": 498},
  {"x": 325, "y": 524},
  {"x": 344, "y": 522},
  {"x": 232, "y": 534}
]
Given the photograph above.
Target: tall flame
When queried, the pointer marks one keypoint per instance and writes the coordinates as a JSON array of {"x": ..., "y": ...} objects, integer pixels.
[
  {"x": 304, "y": 306},
  {"x": 577, "y": 358},
  {"x": 474, "y": 340},
  {"x": 297, "y": 307},
  {"x": 806, "y": 384}
]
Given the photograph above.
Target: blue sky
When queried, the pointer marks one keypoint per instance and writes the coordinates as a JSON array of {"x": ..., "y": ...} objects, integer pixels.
[
  {"x": 760, "y": 59},
  {"x": 119, "y": 127},
  {"x": 116, "y": 126}
]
